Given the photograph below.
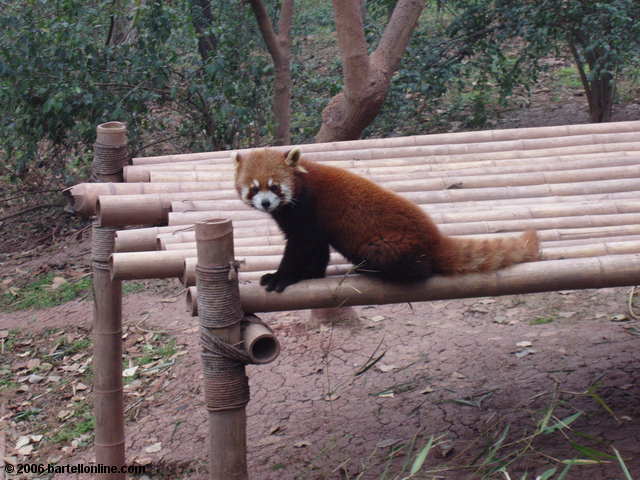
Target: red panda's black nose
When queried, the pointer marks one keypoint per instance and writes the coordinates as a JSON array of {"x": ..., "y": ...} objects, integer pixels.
[{"x": 266, "y": 204}]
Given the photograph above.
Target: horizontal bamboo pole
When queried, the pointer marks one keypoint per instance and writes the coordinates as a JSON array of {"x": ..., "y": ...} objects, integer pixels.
[
  {"x": 188, "y": 276},
  {"x": 594, "y": 272},
  {"x": 433, "y": 139},
  {"x": 445, "y": 181},
  {"x": 463, "y": 213},
  {"x": 475, "y": 194},
  {"x": 144, "y": 239},
  {"x": 458, "y": 226},
  {"x": 424, "y": 170},
  {"x": 228, "y": 206},
  {"x": 528, "y": 212},
  {"x": 84, "y": 196},
  {"x": 163, "y": 241},
  {"x": 438, "y": 159},
  {"x": 543, "y": 235},
  {"x": 171, "y": 263},
  {"x": 139, "y": 265},
  {"x": 341, "y": 266}
]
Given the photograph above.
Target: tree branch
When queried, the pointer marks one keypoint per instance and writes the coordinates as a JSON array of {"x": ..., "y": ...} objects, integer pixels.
[
  {"x": 397, "y": 34},
  {"x": 352, "y": 44},
  {"x": 30, "y": 209},
  {"x": 266, "y": 28}
]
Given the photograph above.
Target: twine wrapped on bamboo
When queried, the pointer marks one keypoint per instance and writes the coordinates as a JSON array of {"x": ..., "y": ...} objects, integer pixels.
[{"x": 226, "y": 387}]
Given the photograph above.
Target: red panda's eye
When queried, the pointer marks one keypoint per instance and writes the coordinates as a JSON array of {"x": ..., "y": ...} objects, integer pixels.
[
  {"x": 253, "y": 190},
  {"x": 275, "y": 189}
]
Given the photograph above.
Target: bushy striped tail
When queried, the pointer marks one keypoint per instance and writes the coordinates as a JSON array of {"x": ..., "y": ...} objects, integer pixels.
[{"x": 468, "y": 255}]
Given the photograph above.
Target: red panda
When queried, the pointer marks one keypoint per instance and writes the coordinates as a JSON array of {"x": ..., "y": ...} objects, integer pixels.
[{"x": 317, "y": 206}]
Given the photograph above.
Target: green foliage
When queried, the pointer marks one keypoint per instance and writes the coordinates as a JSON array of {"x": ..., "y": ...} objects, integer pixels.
[
  {"x": 59, "y": 78},
  {"x": 510, "y": 38}
]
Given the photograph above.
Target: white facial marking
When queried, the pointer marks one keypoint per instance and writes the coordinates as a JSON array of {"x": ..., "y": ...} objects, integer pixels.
[
  {"x": 265, "y": 201},
  {"x": 255, "y": 183},
  {"x": 286, "y": 193},
  {"x": 270, "y": 182}
]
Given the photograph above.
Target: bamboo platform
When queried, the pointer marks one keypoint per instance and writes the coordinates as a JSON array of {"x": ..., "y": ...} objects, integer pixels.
[{"x": 577, "y": 185}]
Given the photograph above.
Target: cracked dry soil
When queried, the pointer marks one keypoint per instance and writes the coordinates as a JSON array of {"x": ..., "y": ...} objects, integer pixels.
[{"x": 451, "y": 369}]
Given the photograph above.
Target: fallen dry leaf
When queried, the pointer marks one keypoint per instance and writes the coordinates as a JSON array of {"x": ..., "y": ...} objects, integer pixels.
[{"x": 155, "y": 448}]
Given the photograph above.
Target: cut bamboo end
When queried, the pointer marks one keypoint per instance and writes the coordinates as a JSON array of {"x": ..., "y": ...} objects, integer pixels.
[
  {"x": 113, "y": 134},
  {"x": 260, "y": 343}
]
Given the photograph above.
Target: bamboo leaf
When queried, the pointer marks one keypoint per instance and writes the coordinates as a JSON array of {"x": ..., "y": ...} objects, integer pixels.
[
  {"x": 623, "y": 467},
  {"x": 547, "y": 474},
  {"x": 560, "y": 424},
  {"x": 421, "y": 457},
  {"x": 592, "y": 453}
]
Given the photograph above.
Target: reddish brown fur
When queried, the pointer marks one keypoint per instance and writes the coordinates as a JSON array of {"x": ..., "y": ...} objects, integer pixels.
[{"x": 372, "y": 225}]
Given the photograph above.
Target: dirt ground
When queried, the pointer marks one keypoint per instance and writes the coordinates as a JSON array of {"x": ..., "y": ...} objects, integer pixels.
[
  {"x": 451, "y": 369},
  {"x": 458, "y": 371}
]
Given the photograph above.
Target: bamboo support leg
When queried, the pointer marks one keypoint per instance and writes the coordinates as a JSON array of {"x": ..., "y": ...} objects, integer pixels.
[
  {"x": 107, "y": 356},
  {"x": 110, "y": 156},
  {"x": 226, "y": 386}
]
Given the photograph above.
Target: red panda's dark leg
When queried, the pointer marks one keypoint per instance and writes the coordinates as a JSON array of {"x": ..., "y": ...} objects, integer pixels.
[{"x": 306, "y": 255}]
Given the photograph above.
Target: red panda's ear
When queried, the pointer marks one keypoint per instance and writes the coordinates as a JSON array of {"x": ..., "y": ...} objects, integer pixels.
[
  {"x": 235, "y": 158},
  {"x": 292, "y": 159}
]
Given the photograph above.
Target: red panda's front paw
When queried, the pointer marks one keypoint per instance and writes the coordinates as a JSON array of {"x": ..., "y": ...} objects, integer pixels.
[{"x": 276, "y": 281}]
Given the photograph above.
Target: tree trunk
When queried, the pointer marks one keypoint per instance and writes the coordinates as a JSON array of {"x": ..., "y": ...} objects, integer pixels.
[
  {"x": 121, "y": 29},
  {"x": 202, "y": 19},
  {"x": 279, "y": 46},
  {"x": 366, "y": 77},
  {"x": 600, "y": 89}
]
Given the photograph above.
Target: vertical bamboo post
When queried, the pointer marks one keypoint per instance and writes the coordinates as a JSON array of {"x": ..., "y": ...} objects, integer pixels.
[
  {"x": 225, "y": 383},
  {"x": 109, "y": 158}
]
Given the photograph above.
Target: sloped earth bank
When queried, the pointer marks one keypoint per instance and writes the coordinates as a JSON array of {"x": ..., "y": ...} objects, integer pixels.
[{"x": 451, "y": 369}]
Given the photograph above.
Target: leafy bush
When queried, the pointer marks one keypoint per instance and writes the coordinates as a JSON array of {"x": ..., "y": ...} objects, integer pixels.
[{"x": 59, "y": 78}]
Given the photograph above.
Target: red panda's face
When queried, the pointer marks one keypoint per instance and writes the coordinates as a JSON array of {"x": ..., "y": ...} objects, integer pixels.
[{"x": 265, "y": 179}]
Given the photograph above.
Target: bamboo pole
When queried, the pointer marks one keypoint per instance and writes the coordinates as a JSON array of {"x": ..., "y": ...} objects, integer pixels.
[
  {"x": 420, "y": 171},
  {"x": 225, "y": 383},
  {"x": 274, "y": 245},
  {"x": 463, "y": 224},
  {"x": 145, "y": 239},
  {"x": 110, "y": 156},
  {"x": 139, "y": 265},
  {"x": 443, "y": 181},
  {"x": 440, "y": 158},
  {"x": 84, "y": 197},
  {"x": 446, "y": 138},
  {"x": 594, "y": 272},
  {"x": 254, "y": 270},
  {"x": 176, "y": 263},
  {"x": 462, "y": 213}
]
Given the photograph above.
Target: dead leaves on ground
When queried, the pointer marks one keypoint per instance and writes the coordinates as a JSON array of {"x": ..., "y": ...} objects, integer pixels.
[{"x": 46, "y": 386}]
